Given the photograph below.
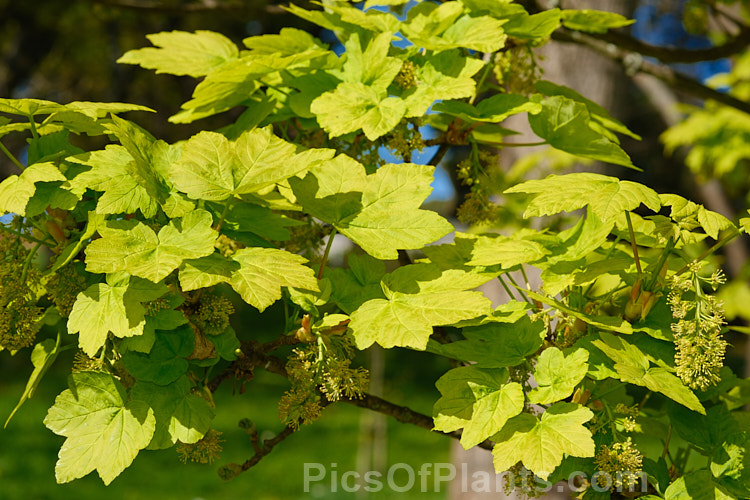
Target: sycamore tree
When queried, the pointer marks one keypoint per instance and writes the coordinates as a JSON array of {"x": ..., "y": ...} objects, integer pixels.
[{"x": 131, "y": 254}]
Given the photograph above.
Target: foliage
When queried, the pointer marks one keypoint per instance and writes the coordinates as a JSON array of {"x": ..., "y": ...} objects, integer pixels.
[{"x": 136, "y": 254}]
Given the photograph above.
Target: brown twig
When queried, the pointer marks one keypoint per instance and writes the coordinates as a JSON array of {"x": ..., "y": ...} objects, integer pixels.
[
  {"x": 282, "y": 340},
  {"x": 404, "y": 415},
  {"x": 268, "y": 446}
]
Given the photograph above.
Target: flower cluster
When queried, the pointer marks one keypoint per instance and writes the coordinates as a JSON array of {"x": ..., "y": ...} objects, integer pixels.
[
  {"x": 517, "y": 69},
  {"x": 521, "y": 482},
  {"x": 628, "y": 423},
  {"x": 404, "y": 139},
  {"x": 19, "y": 285},
  {"x": 204, "y": 451},
  {"x": 697, "y": 329},
  {"x": 84, "y": 363},
  {"x": 407, "y": 75},
  {"x": 622, "y": 462},
  {"x": 226, "y": 245},
  {"x": 63, "y": 288},
  {"x": 320, "y": 369},
  {"x": 212, "y": 314},
  {"x": 299, "y": 405},
  {"x": 473, "y": 172}
]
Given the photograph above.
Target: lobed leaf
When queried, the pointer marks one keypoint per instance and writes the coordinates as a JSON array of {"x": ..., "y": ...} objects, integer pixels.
[
  {"x": 607, "y": 197},
  {"x": 566, "y": 125},
  {"x": 477, "y": 400},
  {"x": 497, "y": 344},
  {"x": 633, "y": 367},
  {"x": 540, "y": 444},
  {"x": 114, "y": 306},
  {"x": 183, "y": 53},
  {"x": 263, "y": 271},
  {"x": 17, "y": 190},
  {"x": 181, "y": 416},
  {"x": 354, "y": 106},
  {"x": 133, "y": 247},
  {"x": 104, "y": 431},
  {"x": 379, "y": 212},
  {"x": 557, "y": 375},
  {"x": 413, "y": 307}
]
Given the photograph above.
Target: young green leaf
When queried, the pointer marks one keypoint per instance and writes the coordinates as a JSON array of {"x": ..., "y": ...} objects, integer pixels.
[
  {"x": 479, "y": 401},
  {"x": 495, "y": 345},
  {"x": 442, "y": 76},
  {"x": 586, "y": 236},
  {"x": 372, "y": 20},
  {"x": 228, "y": 86},
  {"x": 541, "y": 444},
  {"x": 28, "y": 107},
  {"x": 372, "y": 66},
  {"x": 493, "y": 109},
  {"x": 603, "y": 322},
  {"x": 135, "y": 248},
  {"x": 598, "y": 114},
  {"x": 180, "y": 414},
  {"x": 104, "y": 430},
  {"x": 152, "y": 159},
  {"x": 745, "y": 223},
  {"x": 443, "y": 27},
  {"x": 593, "y": 21},
  {"x": 166, "y": 361},
  {"x": 72, "y": 250},
  {"x": 697, "y": 484},
  {"x": 706, "y": 432},
  {"x": 730, "y": 464},
  {"x": 263, "y": 271},
  {"x": 354, "y": 106},
  {"x": 17, "y": 190},
  {"x": 557, "y": 375},
  {"x": 566, "y": 125},
  {"x": 689, "y": 214},
  {"x": 361, "y": 282},
  {"x": 379, "y": 212},
  {"x": 206, "y": 271},
  {"x": 44, "y": 354},
  {"x": 606, "y": 196},
  {"x": 410, "y": 311},
  {"x": 109, "y": 173},
  {"x": 289, "y": 43},
  {"x": 114, "y": 306},
  {"x": 535, "y": 26},
  {"x": 505, "y": 252},
  {"x": 183, "y": 53},
  {"x": 633, "y": 367},
  {"x": 215, "y": 169}
]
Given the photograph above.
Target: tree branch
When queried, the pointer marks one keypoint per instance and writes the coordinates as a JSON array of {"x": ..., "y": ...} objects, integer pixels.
[
  {"x": 676, "y": 55},
  {"x": 268, "y": 446},
  {"x": 254, "y": 356},
  {"x": 629, "y": 43},
  {"x": 405, "y": 415},
  {"x": 634, "y": 63}
]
